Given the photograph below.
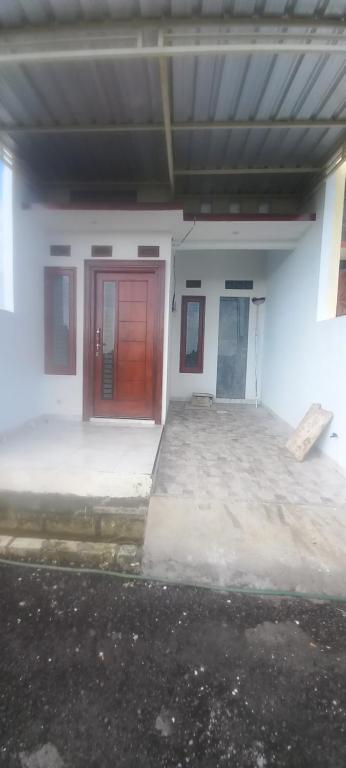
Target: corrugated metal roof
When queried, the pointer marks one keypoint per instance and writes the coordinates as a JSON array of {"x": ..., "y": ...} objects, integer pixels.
[
  {"x": 263, "y": 184},
  {"x": 94, "y": 92},
  {"x": 241, "y": 87},
  {"x": 276, "y": 147},
  {"x": 235, "y": 86},
  {"x": 17, "y": 12},
  {"x": 85, "y": 157}
]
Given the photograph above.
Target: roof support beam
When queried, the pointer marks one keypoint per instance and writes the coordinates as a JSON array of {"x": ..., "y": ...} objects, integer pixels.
[
  {"x": 234, "y": 125},
  {"x": 245, "y": 171},
  {"x": 217, "y": 125},
  {"x": 224, "y": 22},
  {"x": 166, "y": 108},
  {"x": 61, "y": 43},
  {"x": 19, "y": 130},
  {"x": 273, "y": 44}
]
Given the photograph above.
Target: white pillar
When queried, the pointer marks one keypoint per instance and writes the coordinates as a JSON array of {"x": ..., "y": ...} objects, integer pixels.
[{"x": 331, "y": 243}]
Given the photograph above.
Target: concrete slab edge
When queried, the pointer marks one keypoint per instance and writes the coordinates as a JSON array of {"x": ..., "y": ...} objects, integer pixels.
[
  {"x": 110, "y": 555},
  {"x": 21, "y": 516}
]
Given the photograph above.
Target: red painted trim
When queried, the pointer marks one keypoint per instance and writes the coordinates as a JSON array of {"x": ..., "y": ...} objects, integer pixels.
[{"x": 247, "y": 217}]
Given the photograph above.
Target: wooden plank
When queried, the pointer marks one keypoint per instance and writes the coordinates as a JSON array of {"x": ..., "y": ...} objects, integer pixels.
[{"x": 308, "y": 431}]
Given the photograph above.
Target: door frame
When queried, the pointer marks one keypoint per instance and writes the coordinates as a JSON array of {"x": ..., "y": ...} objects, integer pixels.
[{"x": 90, "y": 269}]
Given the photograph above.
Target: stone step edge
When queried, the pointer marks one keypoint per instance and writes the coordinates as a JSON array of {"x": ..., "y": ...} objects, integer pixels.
[
  {"x": 55, "y": 503},
  {"x": 100, "y": 524},
  {"x": 103, "y": 555}
]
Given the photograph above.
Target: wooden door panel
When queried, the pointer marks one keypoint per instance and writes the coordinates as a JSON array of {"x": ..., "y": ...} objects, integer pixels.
[
  {"x": 139, "y": 297},
  {"x": 131, "y": 371},
  {"x": 133, "y": 311},
  {"x": 132, "y": 390},
  {"x": 125, "y": 331},
  {"x": 131, "y": 351},
  {"x": 133, "y": 290},
  {"x": 132, "y": 331}
]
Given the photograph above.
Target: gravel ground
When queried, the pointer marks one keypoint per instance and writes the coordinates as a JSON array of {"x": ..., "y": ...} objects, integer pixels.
[{"x": 97, "y": 672}]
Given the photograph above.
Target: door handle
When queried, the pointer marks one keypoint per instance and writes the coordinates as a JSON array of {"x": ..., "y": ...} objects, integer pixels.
[{"x": 98, "y": 342}]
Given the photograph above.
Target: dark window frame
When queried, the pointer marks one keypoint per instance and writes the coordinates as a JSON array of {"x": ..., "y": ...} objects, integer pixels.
[
  {"x": 198, "y": 368},
  {"x": 49, "y": 366}
]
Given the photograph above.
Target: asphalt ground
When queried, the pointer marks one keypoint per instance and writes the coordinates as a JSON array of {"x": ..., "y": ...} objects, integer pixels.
[{"x": 101, "y": 672}]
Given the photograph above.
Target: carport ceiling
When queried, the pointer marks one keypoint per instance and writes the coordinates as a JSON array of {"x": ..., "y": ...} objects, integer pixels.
[{"x": 216, "y": 95}]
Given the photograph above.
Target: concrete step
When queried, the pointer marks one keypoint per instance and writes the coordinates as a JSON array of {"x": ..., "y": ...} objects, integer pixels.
[
  {"x": 103, "y": 555},
  {"x": 73, "y": 518}
]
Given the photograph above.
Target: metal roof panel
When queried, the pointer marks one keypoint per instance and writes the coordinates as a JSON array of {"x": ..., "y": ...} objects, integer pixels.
[{"x": 15, "y": 12}]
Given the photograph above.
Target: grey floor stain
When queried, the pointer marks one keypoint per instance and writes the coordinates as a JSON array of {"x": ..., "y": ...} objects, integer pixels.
[{"x": 45, "y": 757}]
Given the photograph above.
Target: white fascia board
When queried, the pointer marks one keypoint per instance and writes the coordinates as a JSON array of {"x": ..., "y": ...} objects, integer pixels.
[{"x": 251, "y": 245}]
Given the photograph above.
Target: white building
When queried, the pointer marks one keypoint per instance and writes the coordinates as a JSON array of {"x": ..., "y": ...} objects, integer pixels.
[{"x": 161, "y": 182}]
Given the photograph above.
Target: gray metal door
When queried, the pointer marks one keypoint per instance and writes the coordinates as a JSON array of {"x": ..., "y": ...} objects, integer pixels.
[{"x": 232, "y": 352}]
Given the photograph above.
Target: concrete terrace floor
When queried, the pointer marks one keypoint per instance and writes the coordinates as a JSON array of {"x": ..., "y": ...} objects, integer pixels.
[
  {"x": 66, "y": 456},
  {"x": 230, "y": 505},
  {"x": 98, "y": 672}
]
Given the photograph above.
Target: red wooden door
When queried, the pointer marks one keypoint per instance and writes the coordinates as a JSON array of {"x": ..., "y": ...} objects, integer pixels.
[{"x": 124, "y": 344}]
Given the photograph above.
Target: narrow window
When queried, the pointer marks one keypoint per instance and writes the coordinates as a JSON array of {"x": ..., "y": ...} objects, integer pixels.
[
  {"x": 192, "y": 334},
  {"x": 60, "y": 320},
  {"x": 341, "y": 304},
  {"x": 6, "y": 231},
  {"x": 341, "y": 300}
]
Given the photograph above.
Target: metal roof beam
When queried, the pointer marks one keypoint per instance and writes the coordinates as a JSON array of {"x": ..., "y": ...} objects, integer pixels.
[
  {"x": 225, "y": 21},
  {"x": 18, "y": 130},
  {"x": 231, "y": 125},
  {"x": 275, "y": 44},
  {"x": 218, "y": 125},
  {"x": 166, "y": 42},
  {"x": 245, "y": 171},
  {"x": 166, "y": 109}
]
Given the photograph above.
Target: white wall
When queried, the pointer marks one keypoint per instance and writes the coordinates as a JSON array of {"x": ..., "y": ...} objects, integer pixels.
[
  {"x": 21, "y": 330},
  {"x": 63, "y": 395},
  {"x": 213, "y": 268},
  {"x": 304, "y": 360}
]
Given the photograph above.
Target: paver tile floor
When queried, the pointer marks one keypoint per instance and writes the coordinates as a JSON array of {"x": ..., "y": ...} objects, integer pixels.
[
  {"x": 231, "y": 506},
  {"x": 239, "y": 452}
]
